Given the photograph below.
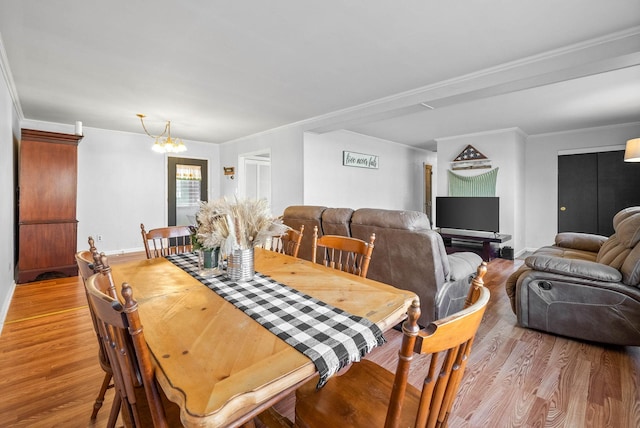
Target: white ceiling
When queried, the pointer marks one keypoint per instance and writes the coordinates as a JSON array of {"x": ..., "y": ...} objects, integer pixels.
[{"x": 222, "y": 70}]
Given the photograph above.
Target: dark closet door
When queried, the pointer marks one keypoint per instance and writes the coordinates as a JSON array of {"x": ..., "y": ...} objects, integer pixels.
[
  {"x": 592, "y": 188},
  {"x": 618, "y": 188},
  {"x": 578, "y": 193}
]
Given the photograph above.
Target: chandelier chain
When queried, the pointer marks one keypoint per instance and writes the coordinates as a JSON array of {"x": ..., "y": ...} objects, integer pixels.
[{"x": 169, "y": 144}]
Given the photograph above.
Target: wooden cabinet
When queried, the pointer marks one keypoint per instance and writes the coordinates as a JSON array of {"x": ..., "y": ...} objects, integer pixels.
[{"x": 47, "y": 225}]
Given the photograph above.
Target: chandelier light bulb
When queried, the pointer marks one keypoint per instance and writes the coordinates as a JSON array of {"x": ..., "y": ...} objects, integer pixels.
[{"x": 166, "y": 145}]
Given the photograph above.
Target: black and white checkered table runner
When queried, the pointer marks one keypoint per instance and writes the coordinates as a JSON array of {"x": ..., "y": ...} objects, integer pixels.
[{"x": 330, "y": 337}]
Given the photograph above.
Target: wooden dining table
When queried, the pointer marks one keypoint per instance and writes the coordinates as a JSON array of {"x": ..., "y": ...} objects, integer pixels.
[{"x": 219, "y": 365}]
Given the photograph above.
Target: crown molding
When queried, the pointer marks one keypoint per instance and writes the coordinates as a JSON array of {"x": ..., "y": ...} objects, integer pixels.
[
  {"x": 8, "y": 78},
  {"x": 514, "y": 131},
  {"x": 589, "y": 129},
  {"x": 613, "y": 51}
]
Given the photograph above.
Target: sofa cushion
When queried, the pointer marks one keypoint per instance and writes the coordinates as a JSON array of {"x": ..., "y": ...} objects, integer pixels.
[
  {"x": 617, "y": 251},
  {"x": 624, "y": 214},
  {"x": 613, "y": 253},
  {"x": 394, "y": 219},
  {"x": 631, "y": 268},
  {"x": 337, "y": 221},
  {"x": 567, "y": 253},
  {"x": 296, "y": 215},
  {"x": 580, "y": 241},
  {"x": 628, "y": 230},
  {"x": 576, "y": 268}
]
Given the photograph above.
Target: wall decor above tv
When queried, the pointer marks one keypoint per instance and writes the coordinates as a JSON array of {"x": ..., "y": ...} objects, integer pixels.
[
  {"x": 470, "y": 158},
  {"x": 468, "y": 213},
  {"x": 473, "y": 185}
]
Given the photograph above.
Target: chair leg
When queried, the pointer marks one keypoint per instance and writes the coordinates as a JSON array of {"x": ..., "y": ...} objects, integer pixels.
[
  {"x": 100, "y": 399},
  {"x": 115, "y": 410}
]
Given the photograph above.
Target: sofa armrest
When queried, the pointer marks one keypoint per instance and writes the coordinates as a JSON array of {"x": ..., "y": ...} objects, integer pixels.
[
  {"x": 461, "y": 265},
  {"x": 580, "y": 241},
  {"x": 577, "y": 268}
]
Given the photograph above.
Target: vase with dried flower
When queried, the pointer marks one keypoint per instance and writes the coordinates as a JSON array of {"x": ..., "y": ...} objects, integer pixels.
[
  {"x": 208, "y": 257},
  {"x": 236, "y": 227}
]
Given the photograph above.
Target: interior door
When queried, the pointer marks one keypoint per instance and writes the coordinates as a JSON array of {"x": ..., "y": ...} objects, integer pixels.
[
  {"x": 578, "y": 193},
  {"x": 255, "y": 180},
  {"x": 428, "y": 196},
  {"x": 187, "y": 184}
]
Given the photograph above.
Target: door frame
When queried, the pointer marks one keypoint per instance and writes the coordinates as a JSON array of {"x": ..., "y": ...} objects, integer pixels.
[
  {"x": 172, "y": 161},
  {"x": 263, "y": 155},
  {"x": 428, "y": 191}
]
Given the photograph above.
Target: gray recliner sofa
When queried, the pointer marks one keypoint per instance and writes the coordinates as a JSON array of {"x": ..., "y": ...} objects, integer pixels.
[
  {"x": 408, "y": 254},
  {"x": 584, "y": 286}
]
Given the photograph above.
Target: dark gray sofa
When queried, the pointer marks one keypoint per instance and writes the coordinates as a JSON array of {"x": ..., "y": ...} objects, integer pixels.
[
  {"x": 408, "y": 254},
  {"x": 585, "y": 286}
]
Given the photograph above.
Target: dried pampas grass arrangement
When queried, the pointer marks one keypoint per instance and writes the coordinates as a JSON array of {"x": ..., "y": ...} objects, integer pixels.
[{"x": 237, "y": 224}]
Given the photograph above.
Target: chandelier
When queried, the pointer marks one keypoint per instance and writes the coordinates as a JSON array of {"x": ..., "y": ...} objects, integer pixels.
[{"x": 164, "y": 143}]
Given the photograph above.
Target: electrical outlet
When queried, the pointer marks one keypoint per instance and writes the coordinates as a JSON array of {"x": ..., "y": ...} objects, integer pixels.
[{"x": 99, "y": 238}]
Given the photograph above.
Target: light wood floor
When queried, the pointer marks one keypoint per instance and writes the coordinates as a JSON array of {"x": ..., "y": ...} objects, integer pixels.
[{"x": 49, "y": 372}]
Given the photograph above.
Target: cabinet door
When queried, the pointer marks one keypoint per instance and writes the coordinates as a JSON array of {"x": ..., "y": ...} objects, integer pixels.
[
  {"x": 48, "y": 181},
  {"x": 47, "y": 247}
]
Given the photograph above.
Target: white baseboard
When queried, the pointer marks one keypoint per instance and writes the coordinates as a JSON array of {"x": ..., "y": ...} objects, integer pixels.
[
  {"x": 5, "y": 305},
  {"x": 124, "y": 251},
  {"x": 525, "y": 251}
]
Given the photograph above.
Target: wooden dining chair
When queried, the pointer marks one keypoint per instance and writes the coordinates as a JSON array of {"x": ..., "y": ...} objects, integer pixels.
[
  {"x": 347, "y": 254},
  {"x": 368, "y": 395},
  {"x": 143, "y": 403},
  {"x": 288, "y": 244},
  {"x": 88, "y": 264},
  {"x": 164, "y": 241}
]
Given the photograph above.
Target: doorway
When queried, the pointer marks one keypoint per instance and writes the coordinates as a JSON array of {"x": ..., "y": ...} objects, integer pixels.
[
  {"x": 254, "y": 175},
  {"x": 187, "y": 186},
  {"x": 428, "y": 192}
]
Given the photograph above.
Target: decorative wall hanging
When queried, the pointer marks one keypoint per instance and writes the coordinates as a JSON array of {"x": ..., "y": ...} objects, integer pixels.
[
  {"x": 477, "y": 185},
  {"x": 470, "y": 158},
  {"x": 359, "y": 160}
]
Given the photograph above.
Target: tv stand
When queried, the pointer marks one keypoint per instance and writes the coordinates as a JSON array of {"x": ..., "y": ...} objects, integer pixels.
[{"x": 472, "y": 240}]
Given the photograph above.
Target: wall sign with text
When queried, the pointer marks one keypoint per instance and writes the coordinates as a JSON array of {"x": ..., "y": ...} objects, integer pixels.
[{"x": 359, "y": 160}]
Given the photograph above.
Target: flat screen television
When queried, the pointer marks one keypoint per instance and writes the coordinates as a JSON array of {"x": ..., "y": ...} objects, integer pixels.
[{"x": 468, "y": 212}]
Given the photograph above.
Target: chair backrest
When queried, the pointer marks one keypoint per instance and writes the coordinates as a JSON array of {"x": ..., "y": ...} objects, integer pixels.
[
  {"x": 164, "y": 241},
  {"x": 288, "y": 244},
  {"x": 343, "y": 253},
  {"x": 121, "y": 331},
  {"x": 90, "y": 262},
  {"x": 449, "y": 342}
]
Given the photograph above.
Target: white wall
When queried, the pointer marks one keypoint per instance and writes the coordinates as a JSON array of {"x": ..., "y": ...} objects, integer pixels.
[
  {"x": 122, "y": 183},
  {"x": 541, "y": 174},
  {"x": 398, "y": 183},
  {"x": 287, "y": 166},
  {"x": 505, "y": 149},
  {"x": 9, "y": 135}
]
